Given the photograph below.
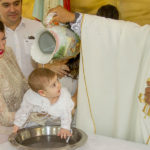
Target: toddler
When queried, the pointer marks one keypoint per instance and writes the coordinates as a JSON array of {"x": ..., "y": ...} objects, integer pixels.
[{"x": 46, "y": 96}]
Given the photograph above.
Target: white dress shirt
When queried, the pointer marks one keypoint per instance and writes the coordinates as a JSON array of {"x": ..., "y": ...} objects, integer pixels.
[
  {"x": 33, "y": 102},
  {"x": 20, "y": 40}
]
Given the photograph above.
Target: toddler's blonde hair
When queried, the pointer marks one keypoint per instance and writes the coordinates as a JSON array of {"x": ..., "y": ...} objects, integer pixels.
[{"x": 40, "y": 78}]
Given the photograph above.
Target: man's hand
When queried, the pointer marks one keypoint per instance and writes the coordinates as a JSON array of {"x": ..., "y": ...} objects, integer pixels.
[
  {"x": 63, "y": 133},
  {"x": 147, "y": 93},
  {"x": 60, "y": 68},
  {"x": 62, "y": 15},
  {"x": 15, "y": 129}
]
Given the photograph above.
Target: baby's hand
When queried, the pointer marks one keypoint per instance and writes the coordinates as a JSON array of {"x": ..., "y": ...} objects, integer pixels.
[
  {"x": 15, "y": 129},
  {"x": 63, "y": 133}
]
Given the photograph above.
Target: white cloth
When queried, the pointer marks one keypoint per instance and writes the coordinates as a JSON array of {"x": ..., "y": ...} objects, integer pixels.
[
  {"x": 98, "y": 142},
  {"x": 33, "y": 102},
  {"x": 116, "y": 58},
  {"x": 20, "y": 40}
]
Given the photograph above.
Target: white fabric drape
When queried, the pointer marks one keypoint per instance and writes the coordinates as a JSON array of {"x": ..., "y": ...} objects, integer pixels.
[{"x": 116, "y": 58}]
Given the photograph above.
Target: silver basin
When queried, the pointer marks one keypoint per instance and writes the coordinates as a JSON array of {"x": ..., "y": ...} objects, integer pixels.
[{"x": 45, "y": 138}]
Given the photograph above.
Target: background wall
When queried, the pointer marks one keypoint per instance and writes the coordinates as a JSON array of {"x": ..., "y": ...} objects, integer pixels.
[
  {"x": 133, "y": 10},
  {"x": 27, "y": 8},
  {"x": 89, "y": 6}
]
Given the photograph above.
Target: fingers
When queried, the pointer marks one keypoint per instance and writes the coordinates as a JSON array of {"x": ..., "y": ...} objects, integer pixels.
[
  {"x": 63, "y": 136},
  {"x": 61, "y": 73},
  {"x": 57, "y": 17},
  {"x": 62, "y": 15},
  {"x": 54, "y": 20},
  {"x": 65, "y": 68},
  {"x": 58, "y": 134},
  {"x": 61, "y": 70},
  {"x": 64, "y": 133}
]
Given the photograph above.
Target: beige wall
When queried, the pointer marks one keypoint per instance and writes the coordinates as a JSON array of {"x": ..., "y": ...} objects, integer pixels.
[
  {"x": 89, "y": 6},
  {"x": 133, "y": 10}
]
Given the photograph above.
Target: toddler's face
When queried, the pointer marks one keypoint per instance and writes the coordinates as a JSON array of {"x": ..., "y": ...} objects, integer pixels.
[{"x": 52, "y": 90}]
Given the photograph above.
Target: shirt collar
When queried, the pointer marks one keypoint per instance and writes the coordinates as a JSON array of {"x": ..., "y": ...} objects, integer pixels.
[{"x": 21, "y": 24}]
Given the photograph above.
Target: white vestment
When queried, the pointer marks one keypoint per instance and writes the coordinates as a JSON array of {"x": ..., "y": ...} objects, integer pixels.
[{"x": 116, "y": 59}]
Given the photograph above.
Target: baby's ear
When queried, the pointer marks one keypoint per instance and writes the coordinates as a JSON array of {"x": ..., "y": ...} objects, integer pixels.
[{"x": 41, "y": 92}]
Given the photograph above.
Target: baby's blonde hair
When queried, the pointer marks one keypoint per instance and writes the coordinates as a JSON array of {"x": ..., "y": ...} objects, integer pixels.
[{"x": 39, "y": 78}]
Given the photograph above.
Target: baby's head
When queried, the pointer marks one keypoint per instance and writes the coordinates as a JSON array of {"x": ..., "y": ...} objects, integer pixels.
[
  {"x": 44, "y": 82},
  {"x": 108, "y": 11}
]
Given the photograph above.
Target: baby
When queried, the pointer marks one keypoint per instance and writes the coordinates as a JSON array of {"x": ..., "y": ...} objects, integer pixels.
[{"x": 46, "y": 96}]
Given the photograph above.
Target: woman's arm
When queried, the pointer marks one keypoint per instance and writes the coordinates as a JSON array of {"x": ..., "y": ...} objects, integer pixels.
[{"x": 6, "y": 117}]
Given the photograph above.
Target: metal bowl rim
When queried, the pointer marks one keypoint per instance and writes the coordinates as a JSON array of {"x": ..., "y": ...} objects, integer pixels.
[{"x": 13, "y": 136}]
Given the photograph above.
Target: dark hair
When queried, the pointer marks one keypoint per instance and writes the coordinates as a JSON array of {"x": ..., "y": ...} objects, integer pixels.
[
  {"x": 1, "y": 26},
  {"x": 73, "y": 65},
  {"x": 108, "y": 11}
]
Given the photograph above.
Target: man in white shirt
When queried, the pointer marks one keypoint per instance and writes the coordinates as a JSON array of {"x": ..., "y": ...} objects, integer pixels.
[{"x": 20, "y": 33}]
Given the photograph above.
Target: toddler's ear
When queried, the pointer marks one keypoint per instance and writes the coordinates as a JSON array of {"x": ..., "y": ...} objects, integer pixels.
[{"x": 41, "y": 92}]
